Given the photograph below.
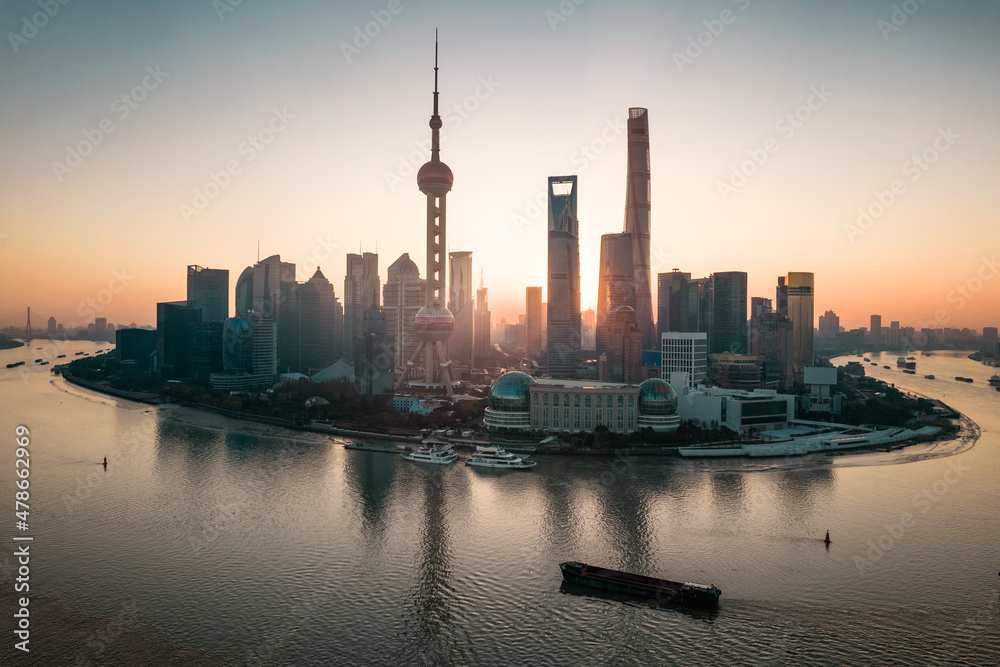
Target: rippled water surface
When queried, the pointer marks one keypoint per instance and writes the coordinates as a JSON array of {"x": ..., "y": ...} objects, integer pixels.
[{"x": 287, "y": 549}]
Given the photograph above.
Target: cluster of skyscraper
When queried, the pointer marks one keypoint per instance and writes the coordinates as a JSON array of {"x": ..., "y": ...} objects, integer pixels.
[
  {"x": 715, "y": 307},
  {"x": 392, "y": 337},
  {"x": 404, "y": 335}
]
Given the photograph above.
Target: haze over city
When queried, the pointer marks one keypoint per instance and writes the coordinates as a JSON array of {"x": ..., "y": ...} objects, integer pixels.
[{"x": 212, "y": 127}]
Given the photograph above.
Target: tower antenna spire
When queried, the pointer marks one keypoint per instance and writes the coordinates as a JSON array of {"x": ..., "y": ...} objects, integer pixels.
[
  {"x": 435, "y": 117},
  {"x": 435, "y": 71}
]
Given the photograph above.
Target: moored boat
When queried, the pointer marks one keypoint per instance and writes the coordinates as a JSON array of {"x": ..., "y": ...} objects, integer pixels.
[
  {"x": 430, "y": 454},
  {"x": 661, "y": 590},
  {"x": 995, "y": 381},
  {"x": 494, "y": 456}
]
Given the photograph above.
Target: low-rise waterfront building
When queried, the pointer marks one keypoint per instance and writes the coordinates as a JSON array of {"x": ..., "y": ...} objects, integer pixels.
[
  {"x": 519, "y": 402},
  {"x": 735, "y": 409}
]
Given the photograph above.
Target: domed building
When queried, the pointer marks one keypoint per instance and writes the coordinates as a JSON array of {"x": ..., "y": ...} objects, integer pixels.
[
  {"x": 658, "y": 406},
  {"x": 520, "y": 402},
  {"x": 509, "y": 402}
]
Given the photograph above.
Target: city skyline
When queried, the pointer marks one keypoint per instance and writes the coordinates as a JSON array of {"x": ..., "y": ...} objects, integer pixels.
[{"x": 900, "y": 129}]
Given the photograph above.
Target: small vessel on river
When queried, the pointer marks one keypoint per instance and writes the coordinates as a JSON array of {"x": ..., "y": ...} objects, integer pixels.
[
  {"x": 428, "y": 453},
  {"x": 494, "y": 456}
]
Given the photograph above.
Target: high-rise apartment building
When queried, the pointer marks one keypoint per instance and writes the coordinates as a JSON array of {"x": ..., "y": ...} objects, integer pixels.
[
  {"x": 563, "y": 330},
  {"x": 208, "y": 289},
  {"x": 729, "y": 313},
  {"x": 637, "y": 219}
]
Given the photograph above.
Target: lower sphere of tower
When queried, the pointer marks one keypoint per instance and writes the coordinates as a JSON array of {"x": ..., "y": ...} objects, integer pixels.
[{"x": 434, "y": 323}]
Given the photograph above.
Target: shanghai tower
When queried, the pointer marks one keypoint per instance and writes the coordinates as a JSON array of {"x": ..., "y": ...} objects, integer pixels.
[{"x": 637, "y": 220}]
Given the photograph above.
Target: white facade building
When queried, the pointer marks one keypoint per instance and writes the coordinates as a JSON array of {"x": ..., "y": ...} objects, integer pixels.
[
  {"x": 738, "y": 410},
  {"x": 685, "y": 352}
]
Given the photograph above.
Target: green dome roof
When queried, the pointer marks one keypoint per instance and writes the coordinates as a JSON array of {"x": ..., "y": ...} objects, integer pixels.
[
  {"x": 510, "y": 392},
  {"x": 657, "y": 397}
]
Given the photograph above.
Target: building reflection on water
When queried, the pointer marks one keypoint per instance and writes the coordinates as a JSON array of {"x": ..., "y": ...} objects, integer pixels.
[
  {"x": 370, "y": 482},
  {"x": 430, "y": 628}
]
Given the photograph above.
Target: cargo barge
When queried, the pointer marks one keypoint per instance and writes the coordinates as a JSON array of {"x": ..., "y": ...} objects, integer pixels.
[{"x": 638, "y": 585}]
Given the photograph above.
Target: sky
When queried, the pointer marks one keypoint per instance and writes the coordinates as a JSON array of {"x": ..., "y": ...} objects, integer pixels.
[{"x": 856, "y": 140}]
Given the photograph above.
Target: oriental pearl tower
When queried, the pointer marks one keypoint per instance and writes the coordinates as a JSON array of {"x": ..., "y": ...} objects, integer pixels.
[{"x": 434, "y": 322}]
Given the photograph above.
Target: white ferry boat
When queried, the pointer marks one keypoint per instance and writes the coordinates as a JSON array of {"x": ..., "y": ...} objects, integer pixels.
[
  {"x": 494, "y": 456},
  {"x": 431, "y": 454}
]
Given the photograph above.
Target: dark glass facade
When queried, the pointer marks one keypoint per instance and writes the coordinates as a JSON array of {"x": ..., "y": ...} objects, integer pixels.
[
  {"x": 208, "y": 289},
  {"x": 563, "y": 278},
  {"x": 729, "y": 313}
]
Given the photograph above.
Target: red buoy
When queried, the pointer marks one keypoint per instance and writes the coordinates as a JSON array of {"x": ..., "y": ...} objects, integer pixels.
[{"x": 827, "y": 539}]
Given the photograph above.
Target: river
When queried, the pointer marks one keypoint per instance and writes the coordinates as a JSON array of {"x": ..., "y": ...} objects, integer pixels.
[{"x": 244, "y": 543}]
